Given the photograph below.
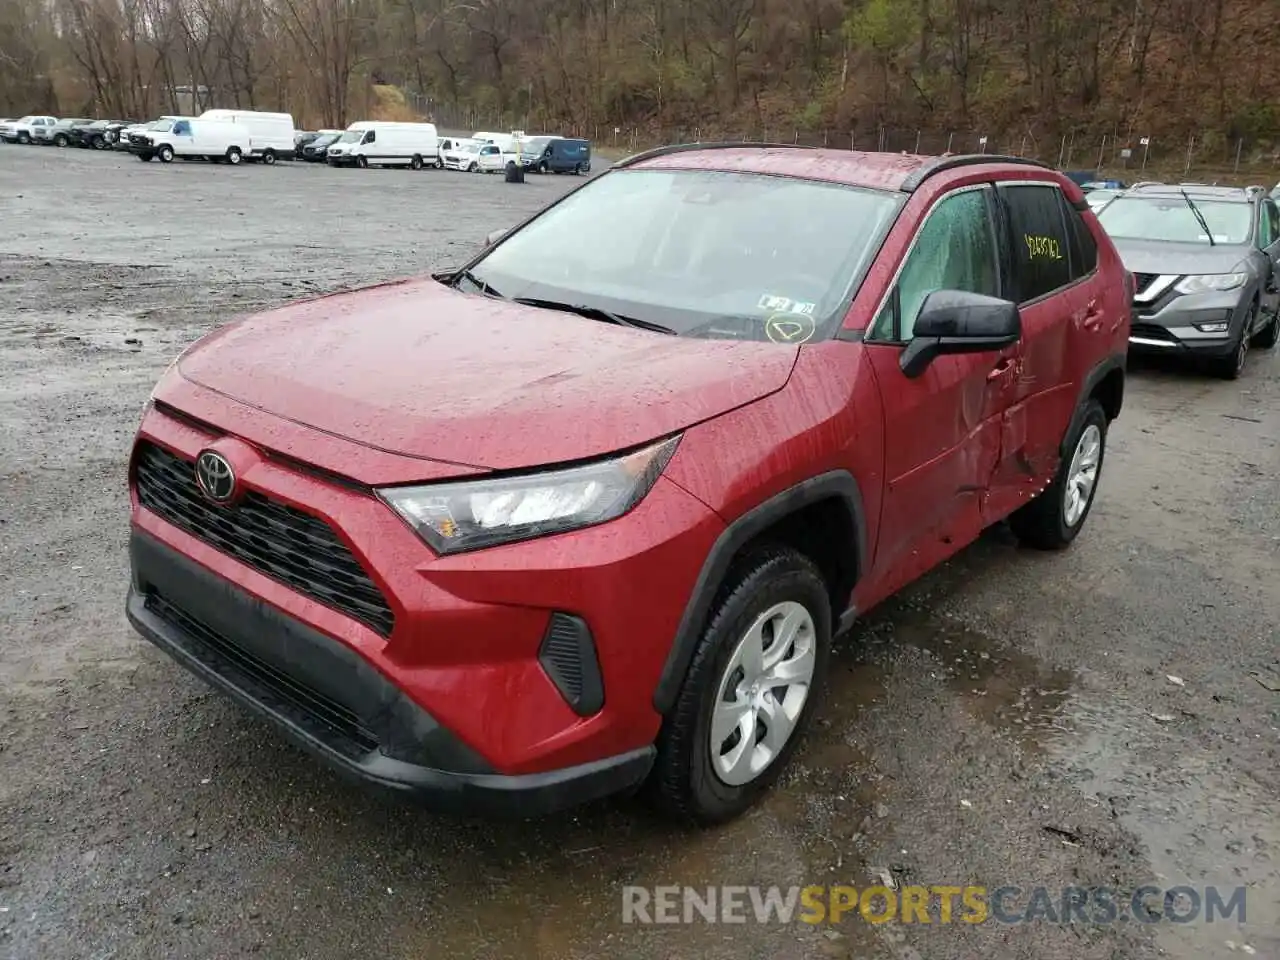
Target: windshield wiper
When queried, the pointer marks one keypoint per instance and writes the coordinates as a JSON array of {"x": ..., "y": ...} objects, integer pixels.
[
  {"x": 595, "y": 313},
  {"x": 471, "y": 278},
  {"x": 1204, "y": 224}
]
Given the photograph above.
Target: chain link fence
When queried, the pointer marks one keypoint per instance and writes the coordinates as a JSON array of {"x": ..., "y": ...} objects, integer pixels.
[{"x": 1126, "y": 155}]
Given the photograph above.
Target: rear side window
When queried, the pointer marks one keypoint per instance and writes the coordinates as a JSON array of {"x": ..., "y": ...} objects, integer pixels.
[
  {"x": 1041, "y": 243},
  {"x": 1268, "y": 226},
  {"x": 1084, "y": 248}
]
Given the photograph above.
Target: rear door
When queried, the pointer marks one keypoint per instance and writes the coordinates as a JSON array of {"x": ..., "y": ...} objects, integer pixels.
[
  {"x": 1057, "y": 303},
  {"x": 941, "y": 428}
]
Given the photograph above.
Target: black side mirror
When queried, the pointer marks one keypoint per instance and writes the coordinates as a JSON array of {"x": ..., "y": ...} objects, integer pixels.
[
  {"x": 495, "y": 236},
  {"x": 954, "y": 321}
]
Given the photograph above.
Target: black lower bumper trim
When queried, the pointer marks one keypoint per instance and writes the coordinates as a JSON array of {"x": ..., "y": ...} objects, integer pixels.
[{"x": 334, "y": 703}]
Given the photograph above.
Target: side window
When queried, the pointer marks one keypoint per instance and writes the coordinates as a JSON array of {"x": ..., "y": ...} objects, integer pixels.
[
  {"x": 1038, "y": 232},
  {"x": 1084, "y": 248},
  {"x": 1268, "y": 226},
  {"x": 371, "y": 136},
  {"x": 182, "y": 129},
  {"x": 954, "y": 250}
]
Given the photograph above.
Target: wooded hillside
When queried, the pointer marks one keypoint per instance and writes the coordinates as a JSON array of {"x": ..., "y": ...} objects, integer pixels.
[{"x": 1015, "y": 68}]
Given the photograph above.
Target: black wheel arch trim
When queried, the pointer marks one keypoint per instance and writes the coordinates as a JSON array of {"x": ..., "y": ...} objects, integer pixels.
[
  {"x": 1100, "y": 372},
  {"x": 839, "y": 484}
]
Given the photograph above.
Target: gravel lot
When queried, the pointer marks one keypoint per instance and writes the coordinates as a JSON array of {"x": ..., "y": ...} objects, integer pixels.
[{"x": 1009, "y": 720}]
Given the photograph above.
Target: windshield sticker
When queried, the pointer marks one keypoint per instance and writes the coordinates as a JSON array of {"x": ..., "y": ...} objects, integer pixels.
[
  {"x": 1042, "y": 248},
  {"x": 804, "y": 309},
  {"x": 774, "y": 304},
  {"x": 789, "y": 327}
]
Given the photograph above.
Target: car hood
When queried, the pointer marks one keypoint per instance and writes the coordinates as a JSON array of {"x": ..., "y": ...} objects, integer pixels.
[
  {"x": 1153, "y": 256},
  {"x": 418, "y": 369}
]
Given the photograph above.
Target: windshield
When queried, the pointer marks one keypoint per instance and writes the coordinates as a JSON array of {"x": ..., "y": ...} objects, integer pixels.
[
  {"x": 324, "y": 140},
  {"x": 159, "y": 125},
  {"x": 535, "y": 145},
  {"x": 470, "y": 147},
  {"x": 705, "y": 253},
  {"x": 1172, "y": 219},
  {"x": 350, "y": 136}
]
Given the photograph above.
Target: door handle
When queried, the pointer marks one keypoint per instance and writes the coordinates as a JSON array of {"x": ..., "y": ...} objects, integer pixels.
[{"x": 1004, "y": 367}]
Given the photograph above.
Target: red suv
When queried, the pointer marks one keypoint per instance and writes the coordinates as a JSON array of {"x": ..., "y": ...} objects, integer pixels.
[{"x": 585, "y": 515}]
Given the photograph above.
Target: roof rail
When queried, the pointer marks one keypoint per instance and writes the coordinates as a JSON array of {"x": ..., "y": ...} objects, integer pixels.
[
  {"x": 922, "y": 173},
  {"x": 1147, "y": 183},
  {"x": 674, "y": 148}
]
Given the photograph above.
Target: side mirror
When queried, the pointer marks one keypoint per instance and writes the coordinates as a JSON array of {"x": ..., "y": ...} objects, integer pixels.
[
  {"x": 495, "y": 236},
  {"x": 954, "y": 321}
]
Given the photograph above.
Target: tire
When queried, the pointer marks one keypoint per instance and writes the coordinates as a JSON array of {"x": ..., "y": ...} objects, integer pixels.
[
  {"x": 415, "y": 163},
  {"x": 688, "y": 781},
  {"x": 165, "y": 153},
  {"x": 1266, "y": 338},
  {"x": 362, "y": 162},
  {"x": 144, "y": 157},
  {"x": 234, "y": 155},
  {"x": 1054, "y": 518},
  {"x": 1230, "y": 367},
  {"x": 98, "y": 143},
  {"x": 439, "y": 164},
  {"x": 24, "y": 138},
  {"x": 473, "y": 168},
  {"x": 61, "y": 140},
  {"x": 269, "y": 158},
  {"x": 542, "y": 167}
]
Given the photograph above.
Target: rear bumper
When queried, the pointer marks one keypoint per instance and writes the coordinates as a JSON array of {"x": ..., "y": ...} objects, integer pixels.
[{"x": 332, "y": 702}]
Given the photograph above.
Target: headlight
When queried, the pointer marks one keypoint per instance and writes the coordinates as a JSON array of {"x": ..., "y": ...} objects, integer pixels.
[
  {"x": 1211, "y": 282},
  {"x": 470, "y": 514}
]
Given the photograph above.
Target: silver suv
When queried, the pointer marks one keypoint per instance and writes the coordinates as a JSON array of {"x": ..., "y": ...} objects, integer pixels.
[{"x": 1206, "y": 268}]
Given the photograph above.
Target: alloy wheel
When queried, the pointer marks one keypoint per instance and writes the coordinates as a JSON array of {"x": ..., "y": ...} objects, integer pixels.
[{"x": 1083, "y": 475}]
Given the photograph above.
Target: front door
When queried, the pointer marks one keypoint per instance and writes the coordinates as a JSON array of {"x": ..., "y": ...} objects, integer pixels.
[
  {"x": 942, "y": 429},
  {"x": 1269, "y": 241}
]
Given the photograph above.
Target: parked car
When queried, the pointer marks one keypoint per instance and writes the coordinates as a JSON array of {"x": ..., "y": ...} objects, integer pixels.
[
  {"x": 25, "y": 129},
  {"x": 504, "y": 140},
  {"x": 463, "y": 155},
  {"x": 111, "y": 134},
  {"x": 270, "y": 134},
  {"x": 191, "y": 138},
  {"x": 317, "y": 150},
  {"x": 1205, "y": 262},
  {"x": 415, "y": 578},
  {"x": 120, "y": 137},
  {"x": 379, "y": 143},
  {"x": 451, "y": 150},
  {"x": 92, "y": 136},
  {"x": 560, "y": 155},
  {"x": 491, "y": 158},
  {"x": 59, "y": 134}
]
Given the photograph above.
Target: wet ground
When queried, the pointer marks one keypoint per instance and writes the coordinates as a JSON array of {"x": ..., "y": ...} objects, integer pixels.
[{"x": 1107, "y": 716}]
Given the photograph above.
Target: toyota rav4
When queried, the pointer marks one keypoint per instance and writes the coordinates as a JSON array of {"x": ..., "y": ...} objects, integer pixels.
[{"x": 583, "y": 516}]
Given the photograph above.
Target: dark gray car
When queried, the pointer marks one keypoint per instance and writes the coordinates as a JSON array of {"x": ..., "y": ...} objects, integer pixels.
[{"x": 1206, "y": 266}]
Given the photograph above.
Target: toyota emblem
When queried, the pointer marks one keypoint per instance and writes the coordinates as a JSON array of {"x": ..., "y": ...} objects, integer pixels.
[{"x": 214, "y": 477}]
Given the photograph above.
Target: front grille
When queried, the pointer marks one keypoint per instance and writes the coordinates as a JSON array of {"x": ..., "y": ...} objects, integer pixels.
[
  {"x": 295, "y": 548},
  {"x": 325, "y": 717}
]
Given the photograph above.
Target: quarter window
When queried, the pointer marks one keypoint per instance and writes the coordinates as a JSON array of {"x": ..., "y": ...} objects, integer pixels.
[
  {"x": 1041, "y": 248},
  {"x": 1269, "y": 225},
  {"x": 954, "y": 250},
  {"x": 1084, "y": 248}
]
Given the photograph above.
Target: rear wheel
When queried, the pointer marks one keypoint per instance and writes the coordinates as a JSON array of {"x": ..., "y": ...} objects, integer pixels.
[
  {"x": 234, "y": 155},
  {"x": 749, "y": 691},
  {"x": 98, "y": 143},
  {"x": 1057, "y": 514},
  {"x": 1266, "y": 338},
  {"x": 24, "y": 137},
  {"x": 269, "y": 158},
  {"x": 416, "y": 162},
  {"x": 473, "y": 167},
  {"x": 61, "y": 140}
]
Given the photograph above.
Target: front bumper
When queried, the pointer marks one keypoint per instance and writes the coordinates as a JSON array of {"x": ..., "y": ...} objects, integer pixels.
[
  {"x": 1172, "y": 323},
  {"x": 332, "y": 702}
]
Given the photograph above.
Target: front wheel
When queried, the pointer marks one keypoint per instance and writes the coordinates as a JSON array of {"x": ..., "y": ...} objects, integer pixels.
[
  {"x": 749, "y": 691},
  {"x": 1231, "y": 365},
  {"x": 165, "y": 153},
  {"x": 1052, "y": 520},
  {"x": 269, "y": 158},
  {"x": 61, "y": 140},
  {"x": 362, "y": 163},
  {"x": 24, "y": 138},
  {"x": 473, "y": 168},
  {"x": 98, "y": 143}
]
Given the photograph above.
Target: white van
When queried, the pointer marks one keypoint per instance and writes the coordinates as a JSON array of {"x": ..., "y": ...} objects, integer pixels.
[
  {"x": 270, "y": 134},
  {"x": 504, "y": 141},
  {"x": 377, "y": 143},
  {"x": 191, "y": 137}
]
